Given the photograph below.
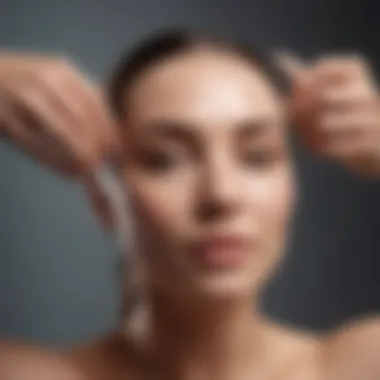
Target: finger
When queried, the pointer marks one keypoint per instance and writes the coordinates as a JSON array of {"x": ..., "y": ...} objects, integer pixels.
[
  {"x": 363, "y": 122},
  {"x": 302, "y": 103},
  {"x": 340, "y": 68},
  {"x": 86, "y": 103},
  {"x": 348, "y": 148},
  {"x": 291, "y": 65},
  {"x": 16, "y": 128},
  {"x": 54, "y": 125},
  {"x": 93, "y": 107},
  {"x": 347, "y": 96},
  {"x": 364, "y": 165},
  {"x": 82, "y": 100},
  {"x": 76, "y": 96},
  {"x": 113, "y": 133},
  {"x": 359, "y": 155},
  {"x": 77, "y": 108}
]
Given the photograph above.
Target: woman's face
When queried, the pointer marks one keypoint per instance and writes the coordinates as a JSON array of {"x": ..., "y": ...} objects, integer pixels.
[{"x": 209, "y": 172}]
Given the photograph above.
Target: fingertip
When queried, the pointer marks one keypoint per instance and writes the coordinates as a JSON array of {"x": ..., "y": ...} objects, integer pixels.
[{"x": 292, "y": 65}]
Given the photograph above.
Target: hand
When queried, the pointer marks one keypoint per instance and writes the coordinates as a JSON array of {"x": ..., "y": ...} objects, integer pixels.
[
  {"x": 336, "y": 105},
  {"x": 52, "y": 112}
]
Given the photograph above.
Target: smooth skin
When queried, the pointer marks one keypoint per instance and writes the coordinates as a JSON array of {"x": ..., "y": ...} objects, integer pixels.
[{"x": 206, "y": 134}]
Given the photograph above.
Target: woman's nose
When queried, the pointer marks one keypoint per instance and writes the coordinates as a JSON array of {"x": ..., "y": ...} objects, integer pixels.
[{"x": 220, "y": 190}]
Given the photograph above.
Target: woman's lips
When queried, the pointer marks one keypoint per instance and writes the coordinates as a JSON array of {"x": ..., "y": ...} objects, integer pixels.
[{"x": 227, "y": 251}]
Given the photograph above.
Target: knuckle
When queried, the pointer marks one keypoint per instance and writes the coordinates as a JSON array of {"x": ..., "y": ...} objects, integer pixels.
[{"x": 55, "y": 69}]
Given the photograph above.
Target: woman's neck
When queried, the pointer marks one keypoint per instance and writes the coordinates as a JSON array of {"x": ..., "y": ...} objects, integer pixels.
[{"x": 204, "y": 339}]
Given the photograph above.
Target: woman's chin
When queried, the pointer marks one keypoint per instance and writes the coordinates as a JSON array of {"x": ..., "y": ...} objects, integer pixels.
[
  {"x": 211, "y": 285},
  {"x": 227, "y": 285}
]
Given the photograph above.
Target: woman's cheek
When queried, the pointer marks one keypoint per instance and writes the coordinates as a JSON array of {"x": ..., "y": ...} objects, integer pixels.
[
  {"x": 273, "y": 197},
  {"x": 162, "y": 203}
]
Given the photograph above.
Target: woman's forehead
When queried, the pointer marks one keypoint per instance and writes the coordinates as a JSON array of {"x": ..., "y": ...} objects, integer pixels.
[{"x": 204, "y": 85}]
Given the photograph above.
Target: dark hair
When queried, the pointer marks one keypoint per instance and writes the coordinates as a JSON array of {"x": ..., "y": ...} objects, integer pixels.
[{"x": 173, "y": 42}]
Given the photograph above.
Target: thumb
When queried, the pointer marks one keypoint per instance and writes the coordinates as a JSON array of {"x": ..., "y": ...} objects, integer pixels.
[{"x": 301, "y": 102}]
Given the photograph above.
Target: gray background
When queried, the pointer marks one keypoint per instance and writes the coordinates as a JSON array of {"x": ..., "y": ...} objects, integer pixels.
[{"x": 57, "y": 268}]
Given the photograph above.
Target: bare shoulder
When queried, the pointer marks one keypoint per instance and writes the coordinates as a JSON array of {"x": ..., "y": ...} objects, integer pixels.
[
  {"x": 23, "y": 362},
  {"x": 353, "y": 351},
  {"x": 111, "y": 357},
  {"x": 298, "y": 352}
]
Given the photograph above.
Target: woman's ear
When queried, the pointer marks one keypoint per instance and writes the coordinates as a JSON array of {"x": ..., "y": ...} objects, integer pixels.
[{"x": 100, "y": 202}]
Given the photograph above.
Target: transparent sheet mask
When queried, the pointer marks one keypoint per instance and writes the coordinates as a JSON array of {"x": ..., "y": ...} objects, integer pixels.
[{"x": 131, "y": 276}]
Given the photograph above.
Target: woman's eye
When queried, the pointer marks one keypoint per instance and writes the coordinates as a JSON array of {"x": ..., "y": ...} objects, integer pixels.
[
  {"x": 260, "y": 158},
  {"x": 159, "y": 161}
]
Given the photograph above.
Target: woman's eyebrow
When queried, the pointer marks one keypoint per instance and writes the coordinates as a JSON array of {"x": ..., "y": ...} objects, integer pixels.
[
  {"x": 183, "y": 132},
  {"x": 258, "y": 126},
  {"x": 171, "y": 130}
]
